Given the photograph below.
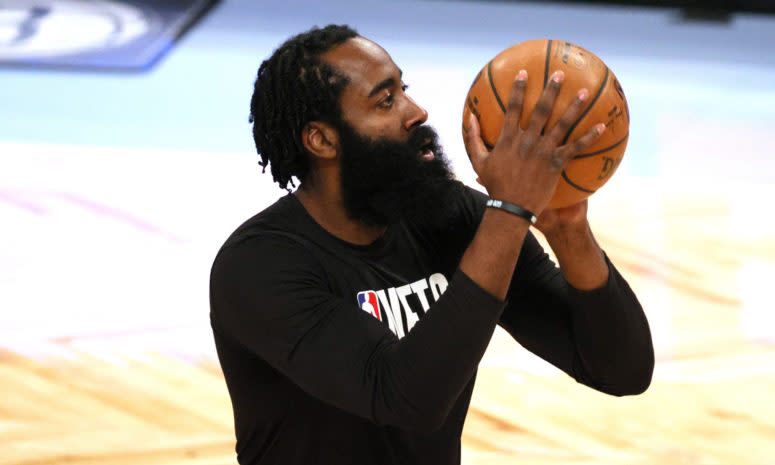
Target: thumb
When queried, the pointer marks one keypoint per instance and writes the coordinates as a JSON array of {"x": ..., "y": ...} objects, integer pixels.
[{"x": 472, "y": 138}]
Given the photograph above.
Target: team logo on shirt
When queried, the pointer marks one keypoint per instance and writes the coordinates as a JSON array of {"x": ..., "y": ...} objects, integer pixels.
[
  {"x": 367, "y": 300},
  {"x": 402, "y": 307}
]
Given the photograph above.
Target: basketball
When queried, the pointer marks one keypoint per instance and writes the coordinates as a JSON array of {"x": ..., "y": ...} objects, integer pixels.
[{"x": 586, "y": 172}]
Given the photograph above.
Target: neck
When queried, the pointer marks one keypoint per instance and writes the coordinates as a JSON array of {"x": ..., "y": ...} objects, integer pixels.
[{"x": 324, "y": 203}]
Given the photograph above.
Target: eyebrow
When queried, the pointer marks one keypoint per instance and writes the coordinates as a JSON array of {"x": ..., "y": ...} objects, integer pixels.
[{"x": 389, "y": 82}]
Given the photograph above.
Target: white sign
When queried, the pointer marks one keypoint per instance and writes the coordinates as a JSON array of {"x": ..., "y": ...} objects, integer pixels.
[{"x": 52, "y": 28}]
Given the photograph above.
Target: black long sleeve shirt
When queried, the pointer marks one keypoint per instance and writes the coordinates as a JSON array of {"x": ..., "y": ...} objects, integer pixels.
[{"x": 335, "y": 353}]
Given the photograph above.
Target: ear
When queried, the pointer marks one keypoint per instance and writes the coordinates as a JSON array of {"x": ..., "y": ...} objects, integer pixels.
[{"x": 320, "y": 139}]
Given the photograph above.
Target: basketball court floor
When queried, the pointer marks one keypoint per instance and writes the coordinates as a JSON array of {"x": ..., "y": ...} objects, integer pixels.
[{"x": 117, "y": 190}]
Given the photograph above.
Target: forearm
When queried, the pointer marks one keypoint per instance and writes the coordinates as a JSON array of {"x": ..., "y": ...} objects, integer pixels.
[
  {"x": 612, "y": 337},
  {"x": 432, "y": 374},
  {"x": 600, "y": 336},
  {"x": 492, "y": 256},
  {"x": 610, "y": 328},
  {"x": 581, "y": 259},
  {"x": 423, "y": 374}
]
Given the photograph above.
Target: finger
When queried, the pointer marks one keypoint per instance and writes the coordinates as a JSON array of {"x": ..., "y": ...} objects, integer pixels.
[
  {"x": 568, "y": 151},
  {"x": 573, "y": 111},
  {"x": 514, "y": 108},
  {"x": 472, "y": 139},
  {"x": 545, "y": 105}
]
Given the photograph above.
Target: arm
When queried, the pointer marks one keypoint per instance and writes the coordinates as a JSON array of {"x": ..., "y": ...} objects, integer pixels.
[
  {"x": 272, "y": 297},
  {"x": 582, "y": 261},
  {"x": 599, "y": 336}
]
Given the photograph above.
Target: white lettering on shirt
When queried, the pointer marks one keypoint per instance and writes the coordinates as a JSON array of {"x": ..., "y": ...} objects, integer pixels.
[
  {"x": 396, "y": 304},
  {"x": 393, "y": 309},
  {"x": 438, "y": 285},
  {"x": 411, "y": 316}
]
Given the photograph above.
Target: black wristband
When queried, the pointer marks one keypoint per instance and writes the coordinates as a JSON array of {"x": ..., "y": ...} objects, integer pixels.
[{"x": 512, "y": 208}]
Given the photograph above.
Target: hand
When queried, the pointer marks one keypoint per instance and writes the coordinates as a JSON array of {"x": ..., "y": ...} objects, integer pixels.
[
  {"x": 525, "y": 165},
  {"x": 556, "y": 220}
]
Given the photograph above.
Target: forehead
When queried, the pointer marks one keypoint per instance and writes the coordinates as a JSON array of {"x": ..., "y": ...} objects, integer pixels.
[{"x": 364, "y": 62}]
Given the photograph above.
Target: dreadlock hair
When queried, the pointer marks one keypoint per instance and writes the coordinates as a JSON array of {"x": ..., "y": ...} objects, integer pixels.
[{"x": 294, "y": 87}]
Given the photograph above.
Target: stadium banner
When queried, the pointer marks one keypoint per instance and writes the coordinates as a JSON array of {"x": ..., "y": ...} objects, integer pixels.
[{"x": 120, "y": 35}]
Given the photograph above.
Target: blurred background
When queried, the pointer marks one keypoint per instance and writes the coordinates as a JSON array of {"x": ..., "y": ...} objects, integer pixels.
[{"x": 126, "y": 159}]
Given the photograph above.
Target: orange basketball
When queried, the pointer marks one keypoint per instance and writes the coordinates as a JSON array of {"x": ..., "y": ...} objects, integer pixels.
[{"x": 489, "y": 94}]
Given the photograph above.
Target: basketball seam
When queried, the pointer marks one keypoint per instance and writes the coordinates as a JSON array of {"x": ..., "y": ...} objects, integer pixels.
[
  {"x": 546, "y": 61},
  {"x": 492, "y": 85},
  {"x": 572, "y": 184},
  {"x": 598, "y": 152},
  {"x": 591, "y": 104},
  {"x": 546, "y": 70}
]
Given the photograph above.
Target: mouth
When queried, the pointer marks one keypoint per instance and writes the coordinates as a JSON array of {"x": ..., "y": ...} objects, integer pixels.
[{"x": 426, "y": 151}]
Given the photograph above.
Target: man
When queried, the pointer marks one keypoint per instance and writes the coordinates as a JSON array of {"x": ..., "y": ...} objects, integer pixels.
[{"x": 350, "y": 316}]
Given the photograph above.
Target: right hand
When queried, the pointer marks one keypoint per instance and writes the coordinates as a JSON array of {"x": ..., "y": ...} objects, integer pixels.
[{"x": 524, "y": 166}]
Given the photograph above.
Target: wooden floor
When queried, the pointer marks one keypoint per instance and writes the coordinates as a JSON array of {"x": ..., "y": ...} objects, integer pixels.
[
  {"x": 703, "y": 277},
  {"x": 115, "y": 193}
]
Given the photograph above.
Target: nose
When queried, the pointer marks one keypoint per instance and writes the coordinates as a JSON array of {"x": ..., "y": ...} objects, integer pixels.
[{"x": 416, "y": 115}]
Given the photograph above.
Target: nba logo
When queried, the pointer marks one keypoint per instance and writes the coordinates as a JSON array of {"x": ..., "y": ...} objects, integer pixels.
[{"x": 367, "y": 300}]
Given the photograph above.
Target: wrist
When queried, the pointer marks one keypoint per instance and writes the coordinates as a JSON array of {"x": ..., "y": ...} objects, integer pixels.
[
  {"x": 568, "y": 232},
  {"x": 581, "y": 259},
  {"x": 512, "y": 208}
]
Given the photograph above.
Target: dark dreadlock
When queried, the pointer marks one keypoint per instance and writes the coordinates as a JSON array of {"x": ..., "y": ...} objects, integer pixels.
[{"x": 294, "y": 87}]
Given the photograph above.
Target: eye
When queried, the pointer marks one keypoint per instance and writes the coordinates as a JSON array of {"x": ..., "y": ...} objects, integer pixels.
[
  {"x": 387, "y": 102},
  {"x": 389, "y": 99}
]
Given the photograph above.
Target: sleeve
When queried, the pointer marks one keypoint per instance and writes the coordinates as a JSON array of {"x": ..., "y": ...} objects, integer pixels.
[
  {"x": 272, "y": 297},
  {"x": 599, "y": 337}
]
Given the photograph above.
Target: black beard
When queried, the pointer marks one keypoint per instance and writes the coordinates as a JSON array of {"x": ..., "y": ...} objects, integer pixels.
[{"x": 384, "y": 181}]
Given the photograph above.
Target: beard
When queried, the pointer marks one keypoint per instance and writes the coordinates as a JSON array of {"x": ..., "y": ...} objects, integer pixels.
[{"x": 385, "y": 181}]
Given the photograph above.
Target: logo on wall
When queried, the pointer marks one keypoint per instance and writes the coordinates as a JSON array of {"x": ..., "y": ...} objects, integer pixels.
[{"x": 95, "y": 34}]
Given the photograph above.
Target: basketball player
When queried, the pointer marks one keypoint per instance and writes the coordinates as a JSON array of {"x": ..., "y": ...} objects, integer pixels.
[{"x": 350, "y": 315}]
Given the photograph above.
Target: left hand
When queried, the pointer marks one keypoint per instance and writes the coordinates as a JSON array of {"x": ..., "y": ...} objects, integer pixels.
[
  {"x": 581, "y": 260},
  {"x": 566, "y": 219}
]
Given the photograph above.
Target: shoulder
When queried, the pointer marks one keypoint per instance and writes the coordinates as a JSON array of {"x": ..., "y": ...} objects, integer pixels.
[
  {"x": 266, "y": 244},
  {"x": 265, "y": 271},
  {"x": 282, "y": 215}
]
